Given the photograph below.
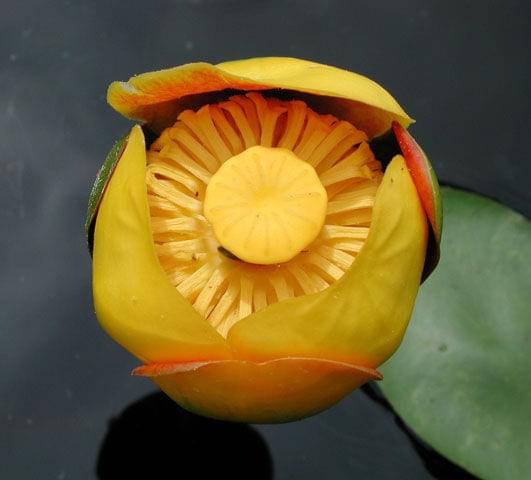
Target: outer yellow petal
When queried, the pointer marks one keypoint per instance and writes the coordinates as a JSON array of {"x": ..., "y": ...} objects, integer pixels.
[
  {"x": 135, "y": 303},
  {"x": 157, "y": 97},
  {"x": 276, "y": 391},
  {"x": 361, "y": 318}
]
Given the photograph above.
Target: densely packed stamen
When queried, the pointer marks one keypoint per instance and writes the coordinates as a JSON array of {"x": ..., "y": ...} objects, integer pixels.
[
  {"x": 265, "y": 205},
  {"x": 184, "y": 158}
]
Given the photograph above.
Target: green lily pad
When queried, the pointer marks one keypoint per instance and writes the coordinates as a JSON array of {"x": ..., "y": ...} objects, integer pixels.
[{"x": 462, "y": 377}]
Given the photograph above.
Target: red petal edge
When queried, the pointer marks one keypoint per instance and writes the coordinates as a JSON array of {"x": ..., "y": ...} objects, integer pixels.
[{"x": 423, "y": 176}]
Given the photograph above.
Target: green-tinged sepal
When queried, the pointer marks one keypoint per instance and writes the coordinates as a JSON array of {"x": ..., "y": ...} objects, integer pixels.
[
  {"x": 429, "y": 192},
  {"x": 102, "y": 179},
  {"x": 398, "y": 141}
]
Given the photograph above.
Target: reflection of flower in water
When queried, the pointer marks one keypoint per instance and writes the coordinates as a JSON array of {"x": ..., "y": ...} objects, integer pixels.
[{"x": 155, "y": 438}]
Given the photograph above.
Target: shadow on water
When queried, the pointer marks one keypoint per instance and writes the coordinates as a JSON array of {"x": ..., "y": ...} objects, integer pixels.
[
  {"x": 155, "y": 438},
  {"x": 438, "y": 466}
]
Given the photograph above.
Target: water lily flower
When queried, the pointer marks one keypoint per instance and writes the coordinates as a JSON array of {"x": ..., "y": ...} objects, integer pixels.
[{"x": 259, "y": 241}]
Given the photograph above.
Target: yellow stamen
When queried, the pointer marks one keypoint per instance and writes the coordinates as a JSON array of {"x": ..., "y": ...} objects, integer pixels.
[{"x": 310, "y": 178}]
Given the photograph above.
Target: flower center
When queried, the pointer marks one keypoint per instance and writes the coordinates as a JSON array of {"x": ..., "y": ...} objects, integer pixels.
[
  {"x": 287, "y": 191},
  {"x": 265, "y": 205}
]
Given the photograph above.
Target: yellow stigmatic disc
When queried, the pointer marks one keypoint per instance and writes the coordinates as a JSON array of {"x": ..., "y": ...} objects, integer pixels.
[{"x": 265, "y": 205}]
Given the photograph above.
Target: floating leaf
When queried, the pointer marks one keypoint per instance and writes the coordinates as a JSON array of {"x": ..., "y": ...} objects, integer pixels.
[{"x": 462, "y": 377}]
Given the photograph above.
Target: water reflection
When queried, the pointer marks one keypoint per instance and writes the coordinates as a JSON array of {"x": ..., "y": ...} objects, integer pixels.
[{"x": 155, "y": 438}]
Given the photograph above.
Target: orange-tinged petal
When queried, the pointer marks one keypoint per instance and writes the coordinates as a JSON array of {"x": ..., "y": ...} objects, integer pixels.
[
  {"x": 424, "y": 178},
  {"x": 362, "y": 317},
  {"x": 157, "y": 97},
  {"x": 134, "y": 300},
  {"x": 428, "y": 187},
  {"x": 274, "y": 391}
]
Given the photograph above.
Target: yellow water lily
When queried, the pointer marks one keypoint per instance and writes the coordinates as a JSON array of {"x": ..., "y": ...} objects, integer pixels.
[{"x": 255, "y": 254}]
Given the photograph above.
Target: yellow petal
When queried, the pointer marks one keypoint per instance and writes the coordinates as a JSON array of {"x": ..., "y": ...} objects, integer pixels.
[
  {"x": 275, "y": 391},
  {"x": 134, "y": 301},
  {"x": 157, "y": 97},
  {"x": 361, "y": 318}
]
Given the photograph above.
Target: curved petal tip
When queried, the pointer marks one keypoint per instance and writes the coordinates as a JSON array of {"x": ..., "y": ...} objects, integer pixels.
[{"x": 157, "y": 97}]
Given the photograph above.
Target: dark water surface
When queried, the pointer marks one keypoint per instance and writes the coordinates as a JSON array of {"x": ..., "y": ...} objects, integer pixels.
[{"x": 68, "y": 407}]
